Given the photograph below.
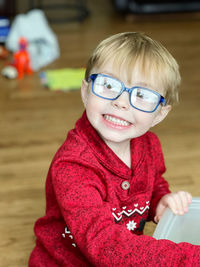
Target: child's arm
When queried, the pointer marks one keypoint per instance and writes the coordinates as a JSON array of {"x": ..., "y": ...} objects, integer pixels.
[
  {"x": 80, "y": 192},
  {"x": 177, "y": 202}
]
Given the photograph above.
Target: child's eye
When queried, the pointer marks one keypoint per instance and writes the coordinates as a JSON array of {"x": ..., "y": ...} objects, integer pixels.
[
  {"x": 108, "y": 85},
  {"x": 140, "y": 94}
]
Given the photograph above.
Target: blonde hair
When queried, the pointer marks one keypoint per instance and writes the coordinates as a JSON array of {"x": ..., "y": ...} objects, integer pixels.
[{"x": 131, "y": 48}]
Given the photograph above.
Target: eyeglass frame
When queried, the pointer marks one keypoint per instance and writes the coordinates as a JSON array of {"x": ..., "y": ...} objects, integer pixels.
[{"x": 161, "y": 100}]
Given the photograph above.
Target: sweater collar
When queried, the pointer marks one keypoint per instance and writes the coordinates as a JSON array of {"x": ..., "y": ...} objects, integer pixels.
[{"x": 105, "y": 155}]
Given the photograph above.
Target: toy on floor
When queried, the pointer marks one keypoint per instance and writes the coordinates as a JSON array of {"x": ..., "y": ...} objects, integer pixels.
[
  {"x": 3, "y": 52},
  {"x": 21, "y": 59},
  {"x": 9, "y": 72},
  {"x": 20, "y": 65}
]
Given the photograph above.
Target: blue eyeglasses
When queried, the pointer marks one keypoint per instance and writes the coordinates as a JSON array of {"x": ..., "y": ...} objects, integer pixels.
[{"x": 140, "y": 98}]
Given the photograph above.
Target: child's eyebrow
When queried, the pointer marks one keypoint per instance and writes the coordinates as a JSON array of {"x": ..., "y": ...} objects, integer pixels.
[
  {"x": 143, "y": 84},
  {"x": 139, "y": 83},
  {"x": 110, "y": 74}
]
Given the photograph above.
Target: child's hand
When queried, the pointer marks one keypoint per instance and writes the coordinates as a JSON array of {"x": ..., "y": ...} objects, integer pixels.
[{"x": 177, "y": 202}]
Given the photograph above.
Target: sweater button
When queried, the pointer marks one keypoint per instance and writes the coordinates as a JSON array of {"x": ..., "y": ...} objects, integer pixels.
[{"x": 125, "y": 185}]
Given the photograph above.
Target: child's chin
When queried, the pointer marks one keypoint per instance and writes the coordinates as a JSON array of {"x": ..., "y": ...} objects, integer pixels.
[{"x": 115, "y": 138}]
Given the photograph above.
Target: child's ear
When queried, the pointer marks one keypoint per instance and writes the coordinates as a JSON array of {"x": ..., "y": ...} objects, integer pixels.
[
  {"x": 161, "y": 115},
  {"x": 84, "y": 91}
]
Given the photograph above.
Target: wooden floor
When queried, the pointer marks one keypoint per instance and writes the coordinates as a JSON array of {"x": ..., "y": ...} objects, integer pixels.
[{"x": 34, "y": 121}]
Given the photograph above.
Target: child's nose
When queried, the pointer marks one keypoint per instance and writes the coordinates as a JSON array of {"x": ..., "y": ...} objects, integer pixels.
[{"x": 122, "y": 102}]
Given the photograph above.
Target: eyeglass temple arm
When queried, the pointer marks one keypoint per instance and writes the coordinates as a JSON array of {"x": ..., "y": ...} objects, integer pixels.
[
  {"x": 162, "y": 101},
  {"x": 92, "y": 77}
]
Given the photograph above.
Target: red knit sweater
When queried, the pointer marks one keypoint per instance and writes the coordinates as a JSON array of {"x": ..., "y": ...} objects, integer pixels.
[{"x": 93, "y": 218}]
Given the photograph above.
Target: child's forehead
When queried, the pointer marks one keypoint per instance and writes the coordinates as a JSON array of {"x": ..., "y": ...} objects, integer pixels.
[{"x": 132, "y": 74}]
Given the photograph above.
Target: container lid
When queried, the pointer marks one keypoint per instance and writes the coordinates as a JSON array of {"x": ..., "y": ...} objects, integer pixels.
[{"x": 177, "y": 228}]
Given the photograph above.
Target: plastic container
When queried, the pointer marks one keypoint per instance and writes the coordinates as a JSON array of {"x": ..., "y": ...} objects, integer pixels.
[{"x": 178, "y": 228}]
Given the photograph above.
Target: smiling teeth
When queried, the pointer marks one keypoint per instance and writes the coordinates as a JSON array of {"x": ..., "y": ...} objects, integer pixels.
[{"x": 116, "y": 120}]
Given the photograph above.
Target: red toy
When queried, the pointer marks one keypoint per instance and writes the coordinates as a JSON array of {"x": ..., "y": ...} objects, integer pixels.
[{"x": 22, "y": 59}]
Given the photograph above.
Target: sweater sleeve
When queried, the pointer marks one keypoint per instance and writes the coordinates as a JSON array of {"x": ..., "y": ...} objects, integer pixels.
[
  {"x": 161, "y": 186},
  {"x": 81, "y": 195}
]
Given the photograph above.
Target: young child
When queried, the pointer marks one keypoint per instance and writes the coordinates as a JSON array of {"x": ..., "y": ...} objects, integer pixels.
[{"x": 106, "y": 180}]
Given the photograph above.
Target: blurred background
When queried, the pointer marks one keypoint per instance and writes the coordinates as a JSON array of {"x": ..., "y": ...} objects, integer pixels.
[{"x": 35, "y": 116}]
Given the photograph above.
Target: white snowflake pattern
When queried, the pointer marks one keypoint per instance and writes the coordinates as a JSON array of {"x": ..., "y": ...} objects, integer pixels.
[
  {"x": 69, "y": 234},
  {"x": 131, "y": 225}
]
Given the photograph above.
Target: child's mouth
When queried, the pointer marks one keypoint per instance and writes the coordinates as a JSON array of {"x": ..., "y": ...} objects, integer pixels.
[{"x": 115, "y": 120}]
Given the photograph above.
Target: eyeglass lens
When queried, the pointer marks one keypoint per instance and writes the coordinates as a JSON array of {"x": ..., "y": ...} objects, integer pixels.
[{"x": 111, "y": 88}]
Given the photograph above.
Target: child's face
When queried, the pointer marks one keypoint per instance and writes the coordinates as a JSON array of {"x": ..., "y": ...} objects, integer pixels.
[{"x": 116, "y": 120}]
